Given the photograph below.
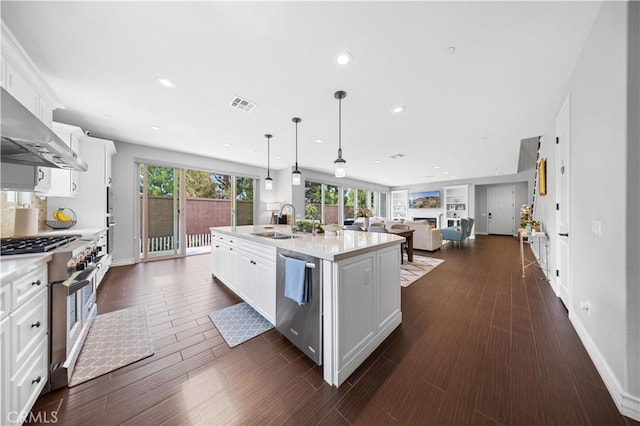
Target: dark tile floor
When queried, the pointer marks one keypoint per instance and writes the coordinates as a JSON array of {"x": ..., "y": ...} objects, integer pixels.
[{"x": 478, "y": 344}]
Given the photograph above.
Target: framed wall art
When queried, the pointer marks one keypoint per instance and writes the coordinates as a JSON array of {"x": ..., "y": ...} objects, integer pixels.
[{"x": 542, "y": 176}]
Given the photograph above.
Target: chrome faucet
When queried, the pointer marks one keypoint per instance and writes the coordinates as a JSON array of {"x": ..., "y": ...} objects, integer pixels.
[{"x": 294, "y": 214}]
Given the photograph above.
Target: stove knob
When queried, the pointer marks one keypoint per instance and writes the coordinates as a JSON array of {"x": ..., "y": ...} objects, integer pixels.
[{"x": 81, "y": 266}]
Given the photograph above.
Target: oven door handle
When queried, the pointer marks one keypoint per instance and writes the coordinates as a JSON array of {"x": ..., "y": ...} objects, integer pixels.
[
  {"x": 77, "y": 281},
  {"x": 75, "y": 286}
]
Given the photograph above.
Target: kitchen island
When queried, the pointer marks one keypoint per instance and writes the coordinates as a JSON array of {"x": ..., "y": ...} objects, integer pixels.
[{"x": 359, "y": 282}]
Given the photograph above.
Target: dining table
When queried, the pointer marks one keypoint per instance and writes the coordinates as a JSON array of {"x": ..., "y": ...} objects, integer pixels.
[{"x": 408, "y": 235}]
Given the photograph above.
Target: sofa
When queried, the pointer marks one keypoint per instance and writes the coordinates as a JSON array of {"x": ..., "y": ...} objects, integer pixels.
[{"x": 424, "y": 236}]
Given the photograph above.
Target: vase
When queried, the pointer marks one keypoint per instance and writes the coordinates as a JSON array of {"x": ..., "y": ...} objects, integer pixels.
[{"x": 366, "y": 223}]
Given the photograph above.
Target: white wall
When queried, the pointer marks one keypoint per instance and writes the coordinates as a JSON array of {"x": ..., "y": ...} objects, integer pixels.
[{"x": 598, "y": 266}]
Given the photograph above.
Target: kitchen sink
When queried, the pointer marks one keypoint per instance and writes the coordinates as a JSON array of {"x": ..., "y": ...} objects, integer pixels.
[{"x": 274, "y": 235}]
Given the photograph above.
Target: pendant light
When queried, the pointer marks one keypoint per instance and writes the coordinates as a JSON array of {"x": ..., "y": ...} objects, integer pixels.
[
  {"x": 296, "y": 175},
  {"x": 268, "y": 182},
  {"x": 340, "y": 162}
]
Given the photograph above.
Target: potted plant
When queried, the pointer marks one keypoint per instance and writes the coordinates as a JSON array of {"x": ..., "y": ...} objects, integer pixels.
[
  {"x": 366, "y": 213},
  {"x": 533, "y": 224},
  {"x": 305, "y": 225}
]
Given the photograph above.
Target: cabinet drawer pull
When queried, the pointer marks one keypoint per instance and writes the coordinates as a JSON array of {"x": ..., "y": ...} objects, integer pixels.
[
  {"x": 36, "y": 282},
  {"x": 36, "y": 380},
  {"x": 109, "y": 179},
  {"x": 36, "y": 325},
  {"x": 40, "y": 175},
  {"x": 74, "y": 186}
]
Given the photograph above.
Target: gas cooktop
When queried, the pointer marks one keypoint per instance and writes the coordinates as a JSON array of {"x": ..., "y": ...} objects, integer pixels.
[{"x": 38, "y": 244}]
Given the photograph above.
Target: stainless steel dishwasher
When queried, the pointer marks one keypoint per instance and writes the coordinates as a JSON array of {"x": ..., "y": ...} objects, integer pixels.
[{"x": 302, "y": 325}]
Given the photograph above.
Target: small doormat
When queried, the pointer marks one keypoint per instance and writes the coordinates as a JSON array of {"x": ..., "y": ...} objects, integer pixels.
[
  {"x": 239, "y": 323},
  {"x": 421, "y": 265},
  {"x": 114, "y": 340}
]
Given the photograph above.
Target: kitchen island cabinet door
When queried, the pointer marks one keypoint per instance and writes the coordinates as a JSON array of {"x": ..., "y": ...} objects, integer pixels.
[
  {"x": 5, "y": 368},
  {"x": 356, "y": 306},
  {"x": 388, "y": 297},
  {"x": 263, "y": 285}
]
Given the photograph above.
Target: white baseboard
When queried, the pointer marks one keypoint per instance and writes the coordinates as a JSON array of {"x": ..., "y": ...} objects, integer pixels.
[
  {"x": 628, "y": 405},
  {"x": 122, "y": 262}
]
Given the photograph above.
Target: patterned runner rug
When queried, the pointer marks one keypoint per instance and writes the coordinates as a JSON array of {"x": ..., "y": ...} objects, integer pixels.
[
  {"x": 421, "y": 265},
  {"x": 239, "y": 323},
  {"x": 114, "y": 340}
]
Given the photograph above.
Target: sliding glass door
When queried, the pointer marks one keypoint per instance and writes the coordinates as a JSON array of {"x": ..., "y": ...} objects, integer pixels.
[{"x": 161, "y": 205}]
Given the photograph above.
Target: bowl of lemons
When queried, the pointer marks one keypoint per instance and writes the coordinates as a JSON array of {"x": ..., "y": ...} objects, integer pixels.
[{"x": 64, "y": 218}]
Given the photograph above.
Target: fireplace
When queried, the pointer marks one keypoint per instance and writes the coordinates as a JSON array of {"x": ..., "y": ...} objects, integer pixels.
[{"x": 433, "y": 221}]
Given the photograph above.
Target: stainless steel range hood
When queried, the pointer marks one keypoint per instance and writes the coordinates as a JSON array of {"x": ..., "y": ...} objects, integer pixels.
[{"x": 27, "y": 140}]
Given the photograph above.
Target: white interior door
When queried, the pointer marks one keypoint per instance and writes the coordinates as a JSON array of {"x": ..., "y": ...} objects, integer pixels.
[
  {"x": 500, "y": 210},
  {"x": 563, "y": 172}
]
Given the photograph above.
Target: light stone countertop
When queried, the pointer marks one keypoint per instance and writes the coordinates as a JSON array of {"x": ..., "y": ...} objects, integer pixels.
[
  {"x": 346, "y": 244},
  {"x": 15, "y": 266}
]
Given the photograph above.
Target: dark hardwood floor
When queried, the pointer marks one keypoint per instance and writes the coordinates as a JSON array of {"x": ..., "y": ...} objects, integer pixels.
[{"x": 478, "y": 344}]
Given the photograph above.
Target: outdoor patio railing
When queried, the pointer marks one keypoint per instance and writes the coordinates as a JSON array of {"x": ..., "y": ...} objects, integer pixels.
[{"x": 155, "y": 244}]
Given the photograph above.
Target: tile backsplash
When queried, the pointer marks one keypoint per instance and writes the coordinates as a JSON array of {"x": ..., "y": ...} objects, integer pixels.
[{"x": 10, "y": 199}]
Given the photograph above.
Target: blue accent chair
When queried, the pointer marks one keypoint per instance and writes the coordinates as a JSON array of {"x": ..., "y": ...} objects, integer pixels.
[{"x": 459, "y": 234}]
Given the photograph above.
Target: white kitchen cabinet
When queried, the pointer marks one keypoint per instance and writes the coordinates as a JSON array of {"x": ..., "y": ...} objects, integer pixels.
[
  {"x": 66, "y": 183},
  {"x": 22, "y": 79},
  {"x": 18, "y": 177},
  {"x": 258, "y": 269},
  {"x": 248, "y": 269},
  {"x": 5, "y": 367},
  {"x": 225, "y": 260},
  {"x": 24, "y": 351},
  {"x": 19, "y": 88},
  {"x": 90, "y": 205}
]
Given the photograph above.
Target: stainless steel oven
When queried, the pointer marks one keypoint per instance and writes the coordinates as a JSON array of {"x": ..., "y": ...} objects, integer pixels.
[{"x": 73, "y": 308}]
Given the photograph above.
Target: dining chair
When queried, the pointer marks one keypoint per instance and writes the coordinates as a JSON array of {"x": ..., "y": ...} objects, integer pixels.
[
  {"x": 403, "y": 247},
  {"x": 353, "y": 228},
  {"x": 381, "y": 229},
  {"x": 376, "y": 225}
]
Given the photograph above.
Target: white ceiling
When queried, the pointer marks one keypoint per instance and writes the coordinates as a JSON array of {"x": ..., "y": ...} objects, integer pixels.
[{"x": 465, "y": 112}]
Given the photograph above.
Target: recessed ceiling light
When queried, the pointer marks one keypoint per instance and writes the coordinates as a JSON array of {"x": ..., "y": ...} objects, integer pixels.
[
  {"x": 343, "y": 58},
  {"x": 429, "y": 177},
  {"x": 450, "y": 50},
  {"x": 445, "y": 173},
  {"x": 155, "y": 127},
  {"x": 377, "y": 161},
  {"x": 278, "y": 157},
  {"x": 319, "y": 140},
  {"x": 226, "y": 145},
  {"x": 398, "y": 109},
  {"x": 167, "y": 83},
  {"x": 436, "y": 167}
]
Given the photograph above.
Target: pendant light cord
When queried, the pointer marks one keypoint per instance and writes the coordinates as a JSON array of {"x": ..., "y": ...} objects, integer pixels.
[
  {"x": 340, "y": 128},
  {"x": 296, "y": 145}
]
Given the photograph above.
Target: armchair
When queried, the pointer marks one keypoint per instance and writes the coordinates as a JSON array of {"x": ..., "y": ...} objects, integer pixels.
[{"x": 453, "y": 233}]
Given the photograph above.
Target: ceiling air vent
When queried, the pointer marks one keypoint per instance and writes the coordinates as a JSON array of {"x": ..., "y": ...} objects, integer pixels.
[
  {"x": 394, "y": 156},
  {"x": 242, "y": 104}
]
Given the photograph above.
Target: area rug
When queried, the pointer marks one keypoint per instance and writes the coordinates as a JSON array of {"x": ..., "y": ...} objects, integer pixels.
[
  {"x": 239, "y": 323},
  {"x": 114, "y": 340},
  {"x": 421, "y": 265}
]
